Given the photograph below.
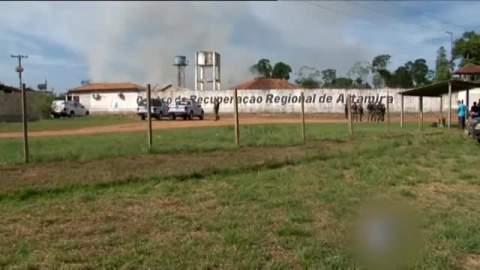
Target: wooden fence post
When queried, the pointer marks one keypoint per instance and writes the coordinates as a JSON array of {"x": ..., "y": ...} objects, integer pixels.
[
  {"x": 420, "y": 105},
  {"x": 303, "y": 117},
  {"x": 402, "y": 112},
  {"x": 25, "y": 125},
  {"x": 149, "y": 117},
  {"x": 440, "y": 124},
  {"x": 350, "y": 118},
  {"x": 449, "y": 104},
  {"x": 237, "y": 126},
  {"x": 388, "y": 113}
]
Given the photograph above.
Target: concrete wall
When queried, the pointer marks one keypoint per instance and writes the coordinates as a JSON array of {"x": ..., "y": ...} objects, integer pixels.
[
  {"x": 109, "y": 102},
  {"x": 474, "y": 95},
  {"x": 274, "y": 101},
  {"x": 11, "y": 107},
  {"x": 316, "y": 100}
]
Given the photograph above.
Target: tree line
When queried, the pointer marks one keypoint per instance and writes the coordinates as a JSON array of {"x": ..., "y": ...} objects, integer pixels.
[{"x": 411, "y": 74}]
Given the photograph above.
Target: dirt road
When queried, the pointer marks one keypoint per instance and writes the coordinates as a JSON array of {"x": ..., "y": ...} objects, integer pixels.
[{"x": 226, "y": 120}]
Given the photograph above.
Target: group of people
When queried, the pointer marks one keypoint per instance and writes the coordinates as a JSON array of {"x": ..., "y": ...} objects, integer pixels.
[
  {"x": 376, "y": 112},
  {"x": 462, "y": 112}
]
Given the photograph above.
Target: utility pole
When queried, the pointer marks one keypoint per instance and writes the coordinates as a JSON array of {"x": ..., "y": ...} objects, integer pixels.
[
  {"x": 451, "y": 51},
  {"x": 19, "y": 69},
  {"x": 22, "y": 88}
]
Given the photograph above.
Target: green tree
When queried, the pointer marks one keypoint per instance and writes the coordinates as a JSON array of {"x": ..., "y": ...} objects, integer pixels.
[
  {"x": 359, "y": 73},
  {"x": 308, "y": 77},
  {"x": 411, "y": 74},
  {"x": 309, "y": 83},
  {"x": 419, "y": 71},
  {"x": 467, "y": 48},
  {"x": 442, "y": 70},
  {"x": 281, "y": 71},
  {"x": 402, "y": 77},
  {"x": 379, "y": 63},
  {"x": 263, "y": 68},
  {"x": 41, "y": 102},
  {"x": 328, "y": 77},
  {"x": 342, "y": 83}
]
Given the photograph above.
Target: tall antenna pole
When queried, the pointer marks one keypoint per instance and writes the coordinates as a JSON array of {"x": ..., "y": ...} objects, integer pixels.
[{"x": 451, "y": 51}]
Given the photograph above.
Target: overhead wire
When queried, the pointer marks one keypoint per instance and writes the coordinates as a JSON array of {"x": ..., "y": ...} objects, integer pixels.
[
  {"x": 389, "y": 15},
  {"x": 347, "y": 14},
  {"x": 354, "y": 16},
  {"x": 423, "y": 14}
]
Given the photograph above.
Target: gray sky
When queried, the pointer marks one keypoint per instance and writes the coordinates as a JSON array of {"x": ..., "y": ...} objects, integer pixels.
[{"x": 137, "y": 41}]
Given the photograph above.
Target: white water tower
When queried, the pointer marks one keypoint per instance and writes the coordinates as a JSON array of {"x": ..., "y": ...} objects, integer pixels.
[{"x": 210, "y": 62}]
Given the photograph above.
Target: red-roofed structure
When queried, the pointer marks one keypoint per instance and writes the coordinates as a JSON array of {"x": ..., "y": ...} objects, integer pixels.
[
  {"x": 470, "y": 72},
  {"x": 108, "y": 87},
  {"x": 107, "y": 97},
  {"x": 266, "y": 84},
  {"x": 470, "y": 69}
]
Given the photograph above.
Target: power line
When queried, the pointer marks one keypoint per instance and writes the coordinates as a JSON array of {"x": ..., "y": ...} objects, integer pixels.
[
  {"x": 423, "y": 13},
  {"x": 389, "y": 16},
  {"x": 348, "y": 14}
]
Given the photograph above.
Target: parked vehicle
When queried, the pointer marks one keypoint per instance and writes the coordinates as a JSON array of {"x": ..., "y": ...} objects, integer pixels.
[
  {"x": 474, "y": 128},
  {"x": 61, "y": 108},
  {"x": 159, "y": 108},
  {"x": 187, "y": 109}
]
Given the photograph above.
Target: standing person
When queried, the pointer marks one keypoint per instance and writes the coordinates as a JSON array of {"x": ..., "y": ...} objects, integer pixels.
[
  {"x": 216, "y": 108},
  {"x": 346, "y": 111},
  {"x": 462, "y": 109},
  {"x": 355, "y": 111},
  {"x": 370, "y": 112},
  {"x": 475, "y": 110},
  {"x": 360, "y": 111},
  {"x": 383, "y": 109},
  {"x": 376, "y": 112}
]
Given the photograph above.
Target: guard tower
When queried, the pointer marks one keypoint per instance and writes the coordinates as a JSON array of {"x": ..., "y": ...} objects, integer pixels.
[
  {"x": 181, "y": 62},
  {"x": 210, "y": 62}
]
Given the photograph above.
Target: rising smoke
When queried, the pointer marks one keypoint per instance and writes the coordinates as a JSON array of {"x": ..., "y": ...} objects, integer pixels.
[
  {"x": 137, "y": 41},
  {"x": 140, "y": 41}
]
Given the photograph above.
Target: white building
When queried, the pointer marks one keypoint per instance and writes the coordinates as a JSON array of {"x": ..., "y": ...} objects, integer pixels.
[{"x": 108, "y": 97}]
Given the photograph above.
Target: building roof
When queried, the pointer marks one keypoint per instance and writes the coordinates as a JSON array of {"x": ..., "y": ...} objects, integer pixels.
[
  {"x": 470, "y": 69},
  {"x": 10, "y": 89},
  {"x": 266, "y": 84},
  {"x": 172, "y": 87},
  {"x": 440, "y": 88},
  {"x": 108, "y": 87}
]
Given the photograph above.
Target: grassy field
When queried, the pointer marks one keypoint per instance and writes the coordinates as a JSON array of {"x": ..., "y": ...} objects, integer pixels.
[
  {"x": 274, "y": 203},
  {"x": 83, "y": 148},
  {"x": 67, "y": 123}
]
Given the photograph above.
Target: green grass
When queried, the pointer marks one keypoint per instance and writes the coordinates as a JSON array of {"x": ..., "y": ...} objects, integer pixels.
[
  {"x": 67, "y": 123},
  {"x": 83, "y": 148},
  {"x": 288, "y": 212}
]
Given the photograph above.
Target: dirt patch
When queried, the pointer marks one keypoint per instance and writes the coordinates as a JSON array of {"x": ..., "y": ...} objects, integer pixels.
[
  {"x": 471, "y": 261},
  {"x": 56, "y": 174},
  {"x": 442, "y": 195},
  {"x": 226, "y": 120}
]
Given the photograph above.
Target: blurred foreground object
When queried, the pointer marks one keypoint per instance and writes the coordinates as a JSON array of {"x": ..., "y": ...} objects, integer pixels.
[{"x": 386, "y": 236}]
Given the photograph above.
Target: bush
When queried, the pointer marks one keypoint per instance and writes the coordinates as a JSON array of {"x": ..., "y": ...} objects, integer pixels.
[{"x": 41, "y": 104}]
